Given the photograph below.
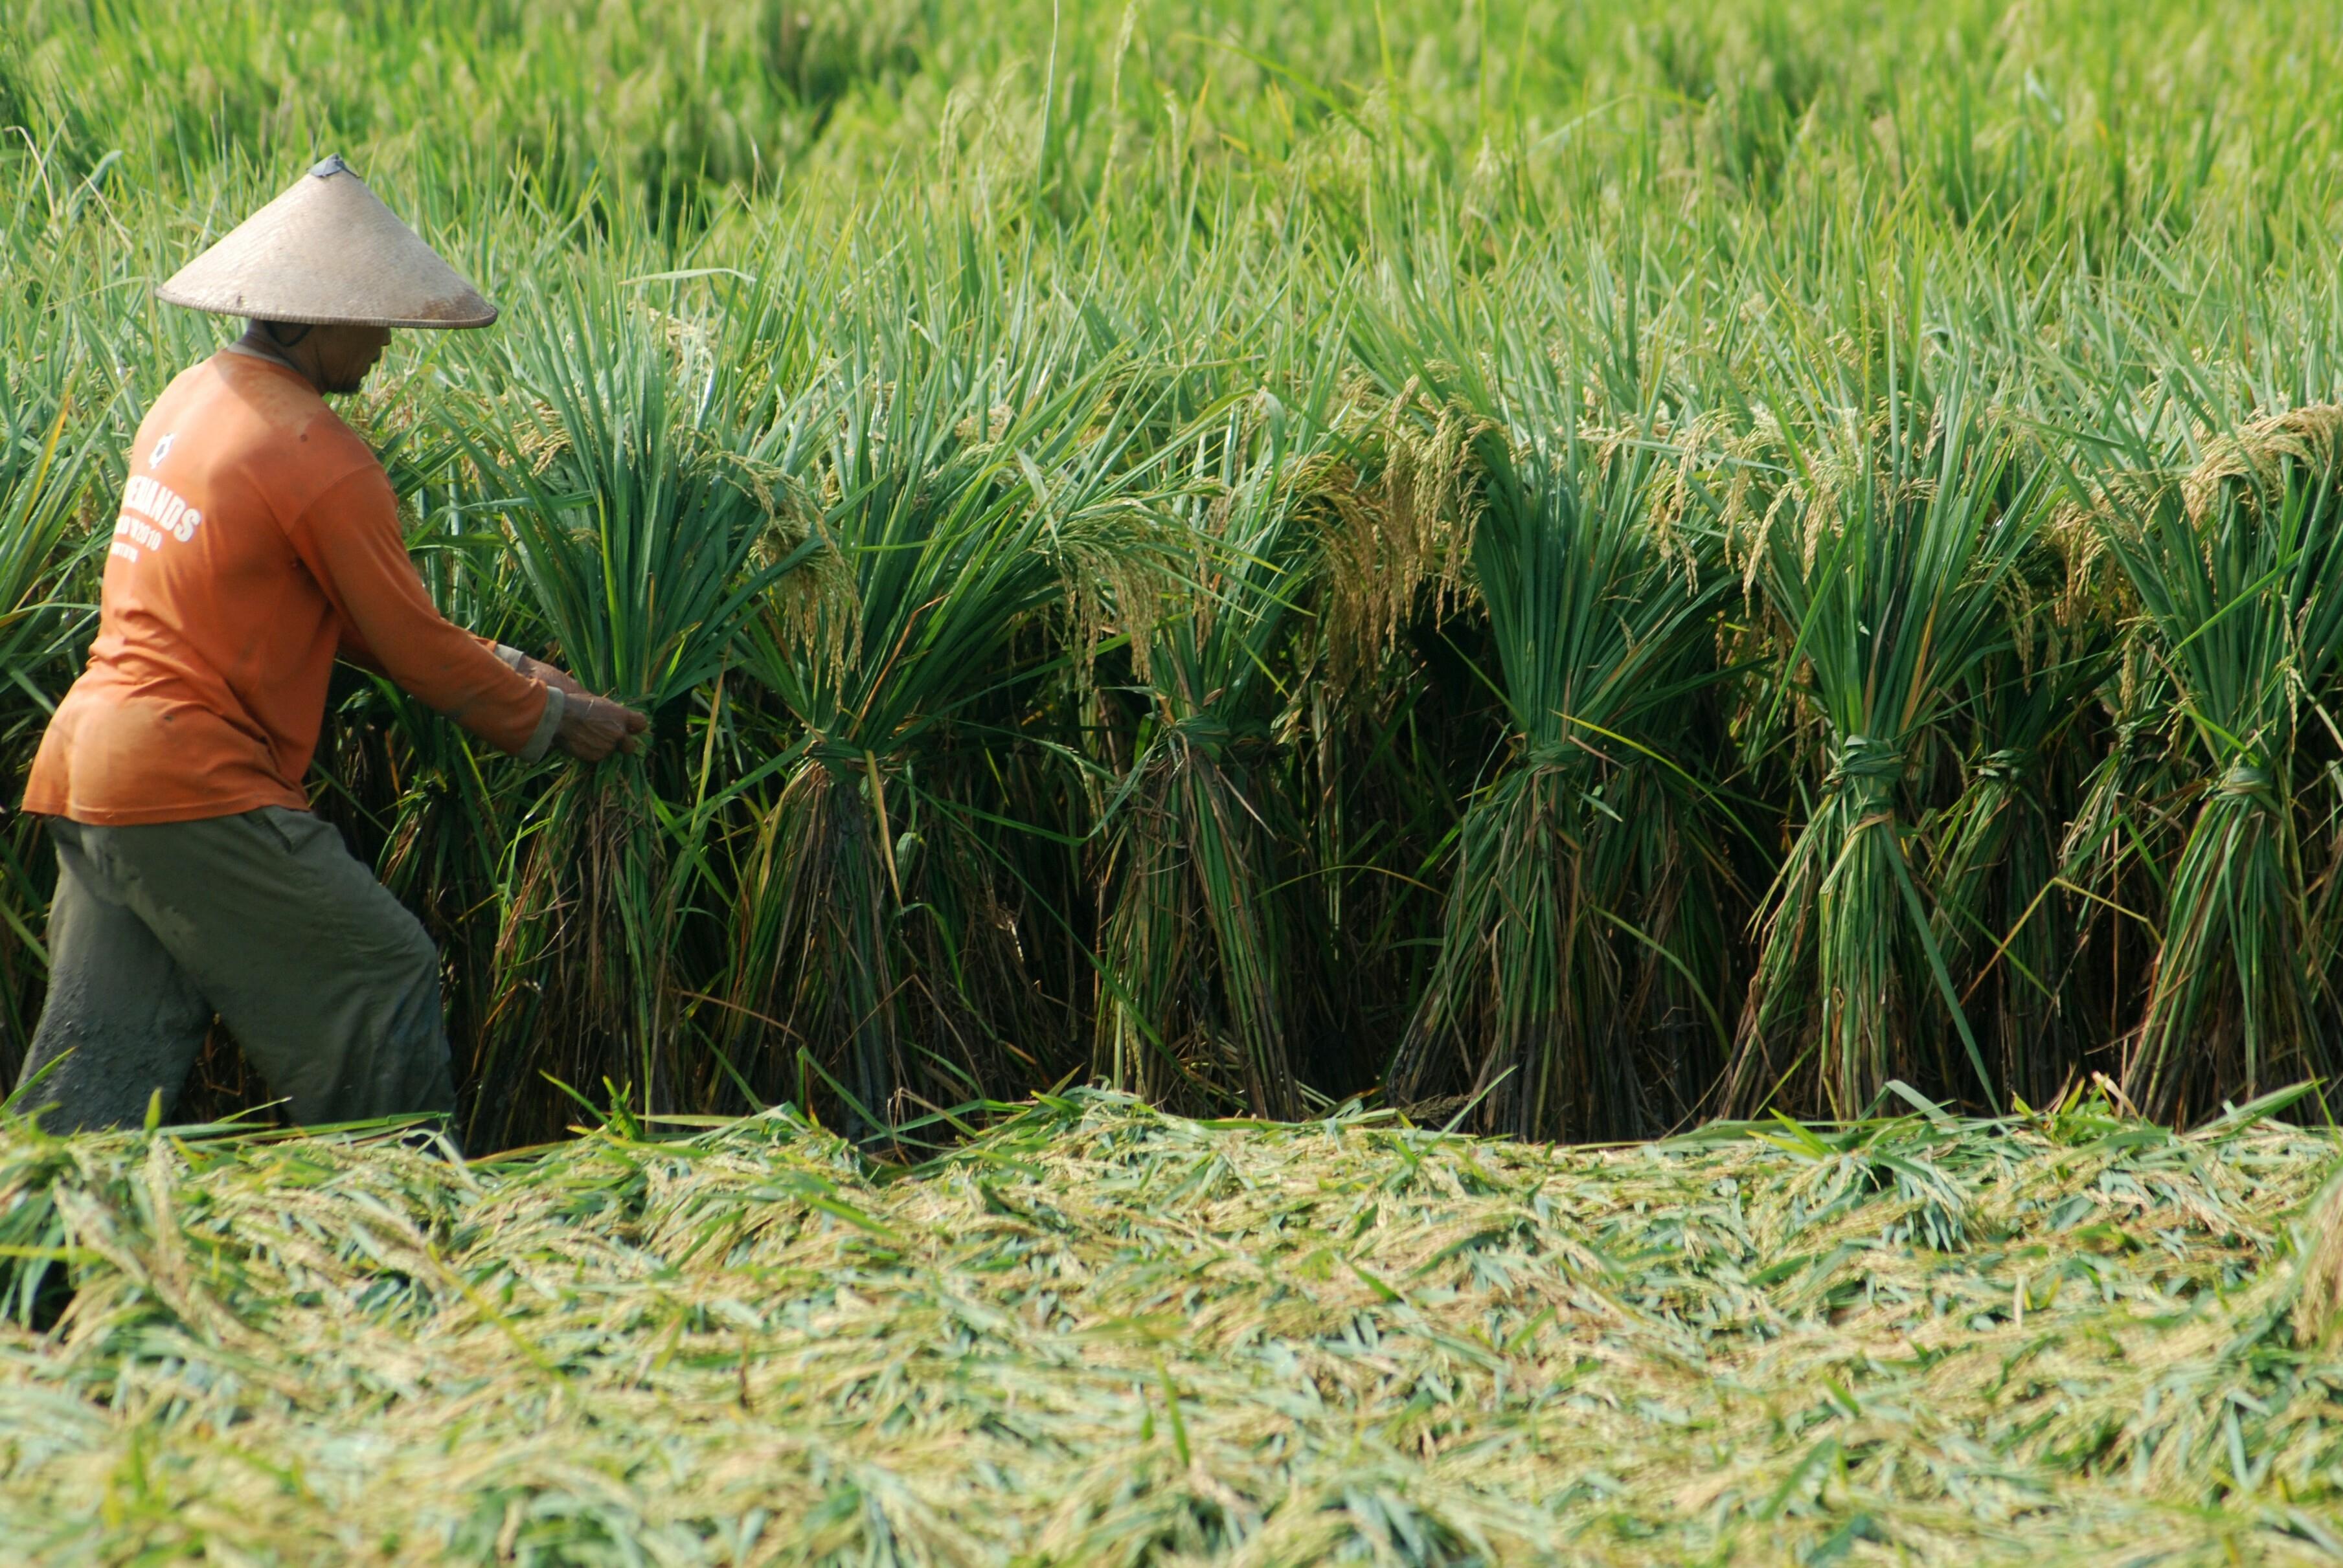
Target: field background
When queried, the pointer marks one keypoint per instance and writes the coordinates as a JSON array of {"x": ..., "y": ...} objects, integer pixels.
[
  {"x": 1340, "y": 569},
  {"x": 1577, "y": 564}
]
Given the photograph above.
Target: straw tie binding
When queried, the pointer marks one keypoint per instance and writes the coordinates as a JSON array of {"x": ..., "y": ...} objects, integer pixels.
[
  {"x": 2249, "y": 778},
  {"x": 839, "y": 759},
  {"x": 2010, "y": 762},
  {"x": 1203, "y": 733},
  {"x": 1863, "y": 757}
]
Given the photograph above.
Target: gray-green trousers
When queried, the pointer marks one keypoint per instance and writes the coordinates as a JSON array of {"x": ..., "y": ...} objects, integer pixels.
[{"x": 328, "y": 984}]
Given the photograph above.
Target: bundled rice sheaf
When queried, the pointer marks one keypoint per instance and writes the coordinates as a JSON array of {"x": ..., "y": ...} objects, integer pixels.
[{"x": 1101, "y": 1334}]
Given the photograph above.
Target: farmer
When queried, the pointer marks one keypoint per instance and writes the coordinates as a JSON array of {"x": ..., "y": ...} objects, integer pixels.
[{"x": 259, "y": 540}]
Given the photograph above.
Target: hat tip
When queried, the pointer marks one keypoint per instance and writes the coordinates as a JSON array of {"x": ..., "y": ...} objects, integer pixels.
[{"x": 329, "y": 166}]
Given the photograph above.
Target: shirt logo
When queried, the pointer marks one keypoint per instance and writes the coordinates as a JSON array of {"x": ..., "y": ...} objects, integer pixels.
[
  {"x": 162, "y": 448},
  {"x": 151, "y": 512}
]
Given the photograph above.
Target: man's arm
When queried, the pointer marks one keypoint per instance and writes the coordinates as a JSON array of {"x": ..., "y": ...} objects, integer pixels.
[{"x": 349, "y": 539}]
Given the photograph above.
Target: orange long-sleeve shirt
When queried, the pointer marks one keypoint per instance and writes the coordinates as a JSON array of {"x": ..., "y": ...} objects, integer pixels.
[{"x": 259, "y": 537}]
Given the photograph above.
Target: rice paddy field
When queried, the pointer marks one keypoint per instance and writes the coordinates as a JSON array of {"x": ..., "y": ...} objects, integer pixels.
[{"x": 1431, "y": 783}]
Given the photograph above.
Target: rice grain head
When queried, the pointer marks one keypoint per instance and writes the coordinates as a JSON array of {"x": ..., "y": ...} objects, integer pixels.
[{"x": 2319, "y": 1310}]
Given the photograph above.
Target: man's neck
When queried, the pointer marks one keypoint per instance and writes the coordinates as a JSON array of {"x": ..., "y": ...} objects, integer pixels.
[{"x": 260, "y": 346}]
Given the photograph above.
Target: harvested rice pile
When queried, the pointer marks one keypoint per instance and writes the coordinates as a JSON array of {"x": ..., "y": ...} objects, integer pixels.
[{"x": 1098, "y": 1334}]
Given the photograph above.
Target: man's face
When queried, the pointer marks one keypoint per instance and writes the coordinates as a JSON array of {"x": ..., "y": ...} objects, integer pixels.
[{"x": 343, "y": 355}]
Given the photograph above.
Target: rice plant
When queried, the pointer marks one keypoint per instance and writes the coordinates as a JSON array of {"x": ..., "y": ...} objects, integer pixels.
[
  {"x": 2236, "y": 563},
  {"x": 1573, "y": 854},
  {"x": 977, "y": 480},
  {"x": 1336, "y": 567},
  {"x": 51, "y": 461},
  {"x": 2004, "y": 918},
  {"x": 647, "y": 497},
  {"x": 1197, "y": 993},
  {"x": 1883, "y": 543}
]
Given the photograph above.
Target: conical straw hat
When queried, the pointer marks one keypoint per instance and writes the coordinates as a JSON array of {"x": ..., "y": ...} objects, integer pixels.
[{"x": 328, "y": 252}]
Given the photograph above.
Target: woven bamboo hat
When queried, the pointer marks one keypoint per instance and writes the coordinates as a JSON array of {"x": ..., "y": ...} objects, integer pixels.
[{"x": 327, "y": 252}]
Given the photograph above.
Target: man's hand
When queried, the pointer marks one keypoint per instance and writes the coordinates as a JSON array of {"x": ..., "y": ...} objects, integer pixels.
[
  {"x": 553, "y": 676},
  {"x": 593, "y": 726}
]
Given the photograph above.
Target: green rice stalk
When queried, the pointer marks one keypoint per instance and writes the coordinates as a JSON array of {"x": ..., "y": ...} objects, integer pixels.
[
  {"x": 1562, "y": 895},
  {"x": 2122, "y": 835},
  {"x": 1099, "y": 1333},
  {"x": 647, "y": 492},
  {"x": 976, "y": 485},
  {"x": 52, "y": 459},
  {"x": 2237, "y": 567},
  {"x": 1882, "y": 556},
  {"x": 2002, "y": 921},
  {"x": 1198, "y": 970}
]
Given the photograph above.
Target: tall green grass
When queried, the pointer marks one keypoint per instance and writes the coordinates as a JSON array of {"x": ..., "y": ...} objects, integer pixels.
[{"x": 1573, "y": 569}]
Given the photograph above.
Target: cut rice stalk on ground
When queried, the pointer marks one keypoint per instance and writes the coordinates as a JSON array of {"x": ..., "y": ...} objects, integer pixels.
[{"x": 1101, "y": 1334}]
